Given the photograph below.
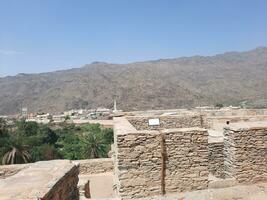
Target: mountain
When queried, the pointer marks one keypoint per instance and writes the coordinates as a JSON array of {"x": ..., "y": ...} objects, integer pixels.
[{"x": 229, "y": 78}]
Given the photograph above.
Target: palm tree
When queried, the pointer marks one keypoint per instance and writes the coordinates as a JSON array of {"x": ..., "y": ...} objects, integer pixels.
[
  {"x": 16, "y": 156},
  {"x": 17, "y": 152},
  {"x": 95, "y": 145},
  {"x": 3, "y": 126}
]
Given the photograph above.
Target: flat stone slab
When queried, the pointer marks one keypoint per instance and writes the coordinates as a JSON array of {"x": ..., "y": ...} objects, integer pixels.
[
  {"x": 215, "y": 136},
  {"x": 35, "y": 180}
]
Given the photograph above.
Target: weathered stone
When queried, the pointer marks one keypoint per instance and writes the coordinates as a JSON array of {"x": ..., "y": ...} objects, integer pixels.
[
  {"x": 244, "y": 159},
  {"x": 46, "y": 180}
]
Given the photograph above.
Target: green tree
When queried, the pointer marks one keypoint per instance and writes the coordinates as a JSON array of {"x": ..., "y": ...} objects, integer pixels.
[
  {"x": 70, "y": 146},
  {"x": 218, "y": 105},
  {"x": 31, "y": 142},
  {"x": 4, "y": 138},
  {"x": 27, "y": 128},
  {"x": 95, "y": 145},
  {"x": 45, "y": 152},
  {"x": 17, "y": 152},
  {"x": 3, "y": 126}
]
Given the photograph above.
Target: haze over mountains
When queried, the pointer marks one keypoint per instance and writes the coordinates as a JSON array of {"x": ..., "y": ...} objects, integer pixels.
[{"x": 230, "y": 78}]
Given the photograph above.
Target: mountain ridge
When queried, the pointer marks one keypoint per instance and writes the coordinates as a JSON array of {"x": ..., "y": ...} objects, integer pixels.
[{"x": 229, "y": 78}]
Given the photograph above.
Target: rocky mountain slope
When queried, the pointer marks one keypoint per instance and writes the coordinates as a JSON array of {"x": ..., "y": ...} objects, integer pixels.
[{"x": 229, "y": 78}]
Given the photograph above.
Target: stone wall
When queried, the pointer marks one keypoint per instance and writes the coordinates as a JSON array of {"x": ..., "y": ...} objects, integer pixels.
[
  {"x": 138, "y": 164},
  {"x": 216, "y": 158},
  {"x": 245, "y": 150},
  {"x": 149, "y": 163},
  {"x": 187, "y": 159},
  {"x": 96, "y": 166},
  {"x": 65, "y": 188},
  {"x": 213, "y": 121},
  {"x": 168, "y": 122}
]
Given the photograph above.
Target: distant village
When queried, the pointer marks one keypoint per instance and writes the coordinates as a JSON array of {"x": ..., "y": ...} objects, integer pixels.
[{"x": 78, "y": 116}]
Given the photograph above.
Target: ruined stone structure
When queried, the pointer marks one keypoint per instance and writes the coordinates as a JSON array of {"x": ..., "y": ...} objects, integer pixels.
[
  {"x": 216, "y": 158},
  {"x": 245, "y": 152},
  {"x": 186, "y": 160},
  {"x": 177, "y": 121},
  {"x": 46, "y": 180},
  {"x": 152, "y": 162},
  {"x": 180, "y": 154},
  {"x": 187, "y": 150},
  {"x": 95, "y": 166}
]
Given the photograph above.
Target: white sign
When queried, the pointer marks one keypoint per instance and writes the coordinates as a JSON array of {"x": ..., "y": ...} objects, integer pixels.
[{"x": 153, "y": 122}]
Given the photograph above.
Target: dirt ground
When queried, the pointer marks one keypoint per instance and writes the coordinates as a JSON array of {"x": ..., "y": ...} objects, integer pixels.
[
  {"x": 101, "y": 185},
  {"x": 240, "y": 192}
]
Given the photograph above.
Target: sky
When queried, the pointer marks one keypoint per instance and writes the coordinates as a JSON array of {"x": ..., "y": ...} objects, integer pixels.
[{"x": 48, "y": 35}]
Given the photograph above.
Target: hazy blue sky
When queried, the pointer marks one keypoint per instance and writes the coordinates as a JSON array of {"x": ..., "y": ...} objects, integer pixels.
[{"x": 47, "y": 35}]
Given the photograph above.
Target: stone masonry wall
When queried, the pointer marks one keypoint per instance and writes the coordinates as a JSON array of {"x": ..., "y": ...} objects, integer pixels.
[
  {"x": 138, "y": 164},
  {"x": 150, "y": 162},
  {"x": 187, "y": 159},
  {"x": 216, "y": 159},
  {"x": 96, "y": 166},
  {"x": 167, "y": 122},
  {"x": 65, "y": 188},
  {"x": 245, "y": 152}
]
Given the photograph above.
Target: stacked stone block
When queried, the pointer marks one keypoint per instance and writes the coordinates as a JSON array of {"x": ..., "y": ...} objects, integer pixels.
[
  {"x": 245, "y": 152},
  {"x": 95, "y": 166},
  {"x": 187, "y": 159},
  {"x": 216, "y": 159},
  {"x": 138, "y": 164},
  {"x": 168, "y": 122},
  {"x": 149, "y": 162}
]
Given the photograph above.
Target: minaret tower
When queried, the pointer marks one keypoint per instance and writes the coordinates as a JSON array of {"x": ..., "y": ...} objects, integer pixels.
[{"x": 115, "y": 106}]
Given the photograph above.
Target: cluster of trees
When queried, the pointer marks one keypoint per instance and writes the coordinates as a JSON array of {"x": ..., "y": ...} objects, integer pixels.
[{"x": 30, "y": 142}]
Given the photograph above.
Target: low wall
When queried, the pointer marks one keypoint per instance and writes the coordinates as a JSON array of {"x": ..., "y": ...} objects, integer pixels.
[
  {"x": 167, "y": 122},
  {"x": 216, "y": 158},
  {"x": 234, "y": 112},
  {"x": 245, "y": 150},
  {"x": 96, "y": 166},
  {"x": 45, "y": 180},
  {"x": 213, "y": 121}
]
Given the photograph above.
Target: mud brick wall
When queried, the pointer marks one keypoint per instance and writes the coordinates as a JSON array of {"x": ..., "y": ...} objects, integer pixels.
[
  {"x": 245, "y": 152},
  {"x": 168, "y": 122},
  {"x": 138, "y": 163},
  {"x": 187, "y": 159},
  {"x": 216, "y": 159},
  {"x": 96, "y": 166}
]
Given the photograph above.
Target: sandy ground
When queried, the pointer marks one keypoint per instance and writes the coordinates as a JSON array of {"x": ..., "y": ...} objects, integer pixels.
[
  {"x": 101, "y": 185},
  {"x": 244, "y": 192}
]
